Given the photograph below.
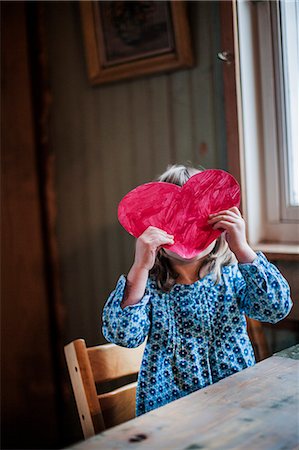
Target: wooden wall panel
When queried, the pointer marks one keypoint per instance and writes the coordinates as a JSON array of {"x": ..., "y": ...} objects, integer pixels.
[
  {"x": 110, "y": 138},
  {"x": 28, "y": 394}
]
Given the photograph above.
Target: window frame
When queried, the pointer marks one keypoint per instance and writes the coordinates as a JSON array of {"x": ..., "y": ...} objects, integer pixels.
[
  {"x": 281, "y": 14},
  {"x": 261, "y": 161},
  {"x": 274, "y": 100}
]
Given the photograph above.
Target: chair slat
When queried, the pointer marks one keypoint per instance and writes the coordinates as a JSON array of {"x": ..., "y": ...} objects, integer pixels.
[
  {"x": 110, "y": 362},
  {"x": 118, "y": 406},
  {"x": 84, "y": 388},
  {"x": 95, "y": 365},
  {"x": 258, "y": 339}
]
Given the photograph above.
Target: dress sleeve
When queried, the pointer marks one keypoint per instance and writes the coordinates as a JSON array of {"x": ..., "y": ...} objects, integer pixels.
[
  {"x": 126, "y": 327},
  {"x": 263, "y": 293}
]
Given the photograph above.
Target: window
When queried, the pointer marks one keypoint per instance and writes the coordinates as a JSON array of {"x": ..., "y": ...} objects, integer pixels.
[
  {"x": 268, "y": 46},
  {"x": 286, "y": 22}
]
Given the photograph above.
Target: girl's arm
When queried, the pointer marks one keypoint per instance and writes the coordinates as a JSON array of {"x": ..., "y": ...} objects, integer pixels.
[
  {"x": 262, "y": 291},
  {"x": 147, "y": 246},
  {"x": 126, "y": 327},
  {"x": 126, "y": 313}
]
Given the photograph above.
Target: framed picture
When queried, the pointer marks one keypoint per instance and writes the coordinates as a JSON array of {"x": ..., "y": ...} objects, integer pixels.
[{"x": 126, "y": 39}]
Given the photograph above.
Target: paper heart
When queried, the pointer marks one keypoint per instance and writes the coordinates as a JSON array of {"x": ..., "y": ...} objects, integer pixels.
[{"x": 181, "y": 211}]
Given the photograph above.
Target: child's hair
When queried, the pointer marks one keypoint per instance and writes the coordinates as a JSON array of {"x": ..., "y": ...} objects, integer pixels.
[{"x": 220, "y": 256}]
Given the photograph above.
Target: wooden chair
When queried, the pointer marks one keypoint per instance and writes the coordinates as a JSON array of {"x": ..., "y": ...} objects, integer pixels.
[
  {"x": 258, "y": 339},
  {"x": 89, "y": 368}
]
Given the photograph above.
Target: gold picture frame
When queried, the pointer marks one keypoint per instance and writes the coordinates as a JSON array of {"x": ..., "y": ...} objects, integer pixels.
[{"x": 126, "y": 39}]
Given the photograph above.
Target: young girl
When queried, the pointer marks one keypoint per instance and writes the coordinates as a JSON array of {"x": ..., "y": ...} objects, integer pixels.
[{"x": 192, "y": 311}]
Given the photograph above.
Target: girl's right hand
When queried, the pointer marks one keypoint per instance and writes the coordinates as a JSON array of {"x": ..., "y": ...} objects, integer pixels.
[{"x": 147, "y": 246}]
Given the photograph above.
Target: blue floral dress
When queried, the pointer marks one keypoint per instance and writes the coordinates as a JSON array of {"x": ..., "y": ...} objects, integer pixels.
[{"x": 196, "y": 334}]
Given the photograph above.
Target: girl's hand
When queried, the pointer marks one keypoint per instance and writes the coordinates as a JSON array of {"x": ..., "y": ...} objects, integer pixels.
[
  {"x": 234, "y": 225},
  {"x": 147, "y": 246}
]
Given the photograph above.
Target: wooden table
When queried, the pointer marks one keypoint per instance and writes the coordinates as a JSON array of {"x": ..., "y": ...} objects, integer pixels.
[{"x": 255, "y": 409}]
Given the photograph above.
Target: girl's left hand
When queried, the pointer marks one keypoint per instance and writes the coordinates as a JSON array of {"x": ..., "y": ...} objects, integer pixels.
[{"x": 233, "y": 223}]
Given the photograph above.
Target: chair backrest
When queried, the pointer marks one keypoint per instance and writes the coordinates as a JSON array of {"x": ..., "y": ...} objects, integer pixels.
[
  {"x": 93, "y": 366},
  {"x": 258, "y": 339}
]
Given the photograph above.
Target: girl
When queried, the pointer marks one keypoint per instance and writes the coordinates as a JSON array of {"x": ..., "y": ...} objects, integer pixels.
[{"x": 192, "y": 311}]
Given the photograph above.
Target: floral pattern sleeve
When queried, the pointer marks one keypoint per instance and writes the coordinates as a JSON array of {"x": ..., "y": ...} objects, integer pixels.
[
  {"x": 263, "y": 293},
  {"x": 126, "y": 327}
]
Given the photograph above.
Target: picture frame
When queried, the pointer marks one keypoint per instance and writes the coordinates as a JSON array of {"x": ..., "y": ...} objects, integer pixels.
[{"x": 128, "y": 39}]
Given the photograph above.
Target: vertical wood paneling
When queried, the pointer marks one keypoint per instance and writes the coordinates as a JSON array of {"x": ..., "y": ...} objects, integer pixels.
[
  {"x": 110, "y": 173},
  {"x": 27, "y": 369},
  {"x": 181, "y": 115},
  {"x": 108, "y": 139},
  {"x": 142, "y": 134},
  {"x": 69, "y": 143},
  {"x": 218, "y": 92},
  {"x": 160, "y": 124},
  {"x": 94, "y": 223},
  {"x": 201, "y": 87}
]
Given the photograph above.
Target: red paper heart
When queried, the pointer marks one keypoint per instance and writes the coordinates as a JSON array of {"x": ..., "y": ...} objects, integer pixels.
[{"x": 181, "y": 211}]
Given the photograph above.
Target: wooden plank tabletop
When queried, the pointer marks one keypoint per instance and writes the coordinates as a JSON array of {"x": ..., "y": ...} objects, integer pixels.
[{"x": 255, "y": 409}]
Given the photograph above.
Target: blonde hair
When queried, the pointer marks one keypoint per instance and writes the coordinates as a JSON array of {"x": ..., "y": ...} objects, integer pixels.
[{"x": 220, "y": 255}]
